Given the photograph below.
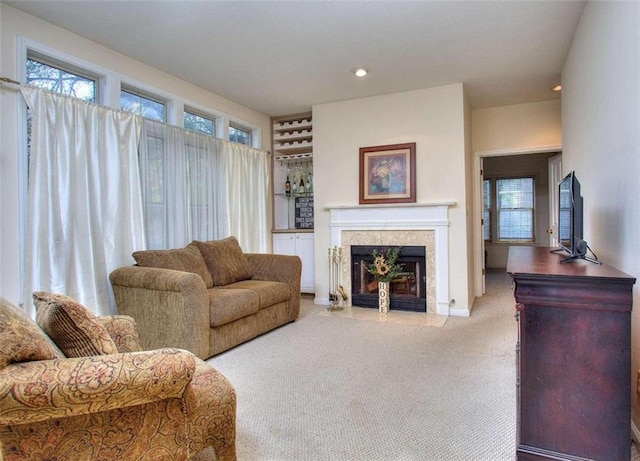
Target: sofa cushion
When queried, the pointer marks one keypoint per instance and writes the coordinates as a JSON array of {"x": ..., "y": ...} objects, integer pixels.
[
  {"x": 21, "y": 340},
  {"x": 187, "y": 259},
  {"x": 228, "y": 305},
  {"x": 75, "y": 330},
  {"x": 269, "y": 293},
  {"x": 225, "y": 260}
]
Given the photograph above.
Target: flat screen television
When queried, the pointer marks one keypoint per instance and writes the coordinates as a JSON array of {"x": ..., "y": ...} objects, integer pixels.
[
  {"x": 570, "y": 219},
  {"x": 569, "y": 213}
]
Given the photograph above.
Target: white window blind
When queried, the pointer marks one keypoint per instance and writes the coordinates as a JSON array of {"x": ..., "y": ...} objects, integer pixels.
[{"x": 515, "y": 204}]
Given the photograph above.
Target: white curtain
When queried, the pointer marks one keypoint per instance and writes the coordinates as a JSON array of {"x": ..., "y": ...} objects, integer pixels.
[
  {"x": 85, "y": 214},
  {"x": 248, "y": 173},
  {"x": 197, "y": 187}
]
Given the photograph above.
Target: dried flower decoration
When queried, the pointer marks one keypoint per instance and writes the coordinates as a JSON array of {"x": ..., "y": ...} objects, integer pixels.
[{"x": 384, "y": 267}]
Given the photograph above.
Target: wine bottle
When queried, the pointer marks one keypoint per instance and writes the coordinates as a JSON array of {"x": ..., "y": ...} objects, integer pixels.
[
  {"x": 309, "y": 182},
  {"x": 287, "y": 186},
  {"x": 301, "y": 188}
]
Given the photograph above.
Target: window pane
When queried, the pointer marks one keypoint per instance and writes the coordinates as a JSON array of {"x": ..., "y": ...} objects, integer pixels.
[
  {"x": 516, "y": 225},
  {"x": 486, "y": 216},
  {"x": 515, "y": 193},
  {"x": 60, "y": 81},
  {"x": 486, "y": 205},
  {"x": 239, "y": 135},
  {"x": 140, "y": 105},
  {"x": 199, "y": 124},
  {"x": 515, "y": 209},
  {"x": 486, "y": 193}
]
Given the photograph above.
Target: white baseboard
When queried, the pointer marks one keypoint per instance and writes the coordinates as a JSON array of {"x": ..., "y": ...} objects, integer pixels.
[{"x": 459, "y": 312}]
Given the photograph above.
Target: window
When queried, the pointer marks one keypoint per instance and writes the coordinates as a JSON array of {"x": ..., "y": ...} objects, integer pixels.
[
  {"x": 239, "y": 134},
  {"x": 486, "y": 208},
  {"x": 199, "y": 123},
  {"x": 145, "y": 106},
  {"x": 58, "y": 78},
  {"x": 515, "y": 198}
]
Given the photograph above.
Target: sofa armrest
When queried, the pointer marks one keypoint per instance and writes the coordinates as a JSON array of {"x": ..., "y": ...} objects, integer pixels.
[
  {"x": 170, "y": 308},
  {"x": 279, "y": 268},
  {"x": 42, "y": 390}
]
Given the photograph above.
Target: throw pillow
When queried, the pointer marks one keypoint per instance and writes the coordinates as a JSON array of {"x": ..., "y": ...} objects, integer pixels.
[
  {"x": 75, "y": 329},
  {"x": 21, "y": 340},
  {"x": 225, "y": 260},
  {"x": 187, "y": 259}
]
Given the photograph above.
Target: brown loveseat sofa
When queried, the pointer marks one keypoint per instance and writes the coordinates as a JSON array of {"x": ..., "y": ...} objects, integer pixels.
[
  {"x": 207, "y": 297},
  {"x": 79, "y": 388}
]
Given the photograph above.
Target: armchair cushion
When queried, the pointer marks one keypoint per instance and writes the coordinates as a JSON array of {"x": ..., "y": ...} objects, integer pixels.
[
  {"x": 21, "y": 340},
  {"x": 187, "y": 259},
  {"x": 75, "y": 330},
  {"x": 225, "y": 260}
]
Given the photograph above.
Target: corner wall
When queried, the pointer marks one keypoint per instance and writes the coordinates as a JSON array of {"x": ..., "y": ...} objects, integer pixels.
[{"x": 601, "y": 120}]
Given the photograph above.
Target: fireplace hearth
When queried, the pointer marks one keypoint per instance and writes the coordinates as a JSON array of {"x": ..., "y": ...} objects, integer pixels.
[{"x": 408, "y": 290}]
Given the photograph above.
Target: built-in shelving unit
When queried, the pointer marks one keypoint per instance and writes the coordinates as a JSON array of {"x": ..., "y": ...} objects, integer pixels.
[
  {"x": 292, "y": 137},
  {"x": 293, "y": 161}
]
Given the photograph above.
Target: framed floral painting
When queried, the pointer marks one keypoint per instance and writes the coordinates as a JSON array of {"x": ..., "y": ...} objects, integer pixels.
[{"x": 388, "y": 174}]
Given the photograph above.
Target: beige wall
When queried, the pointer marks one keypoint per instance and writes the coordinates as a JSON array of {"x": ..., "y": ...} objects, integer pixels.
[
  {"x": 601, "y": 120},
  {"x": 433, "y": 118},
  {"x": 517, "y": 127},
  {"x": 17, "y": 28}
]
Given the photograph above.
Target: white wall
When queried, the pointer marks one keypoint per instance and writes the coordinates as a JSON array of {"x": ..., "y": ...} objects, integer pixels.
[
  {"x": 601, "y": 124},
  {"x": 434, "y": 119},
  {"x": 17, "y": 27}
]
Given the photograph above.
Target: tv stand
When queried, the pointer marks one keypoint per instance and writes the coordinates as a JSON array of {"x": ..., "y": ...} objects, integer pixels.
[
  {"x": 575, "y": 257},
  {"x": 573, "y": 358}
]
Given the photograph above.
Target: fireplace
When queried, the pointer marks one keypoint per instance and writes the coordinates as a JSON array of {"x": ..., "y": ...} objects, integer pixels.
[
  {"x": 408, "y": 290},
  {"x": 402, "y": 225}
]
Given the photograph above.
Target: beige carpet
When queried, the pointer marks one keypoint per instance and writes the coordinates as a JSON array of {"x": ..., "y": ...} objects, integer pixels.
[{"x": 347, "y": 388}]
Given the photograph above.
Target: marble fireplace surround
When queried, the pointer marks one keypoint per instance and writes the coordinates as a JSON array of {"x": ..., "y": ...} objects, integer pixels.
[{"x": 416, "y": 224}]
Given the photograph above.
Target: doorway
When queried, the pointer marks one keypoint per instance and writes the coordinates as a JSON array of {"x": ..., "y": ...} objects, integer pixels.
[{"x": 491, "y": 250}]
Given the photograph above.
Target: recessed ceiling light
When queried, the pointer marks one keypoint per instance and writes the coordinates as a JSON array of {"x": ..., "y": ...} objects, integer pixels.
[
  {"x": 360, "y": 72},
  {"x": 556, "y": 88}
]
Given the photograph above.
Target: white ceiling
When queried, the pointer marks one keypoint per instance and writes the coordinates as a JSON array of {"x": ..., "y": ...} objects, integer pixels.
[{"x": 282, "y": 57}]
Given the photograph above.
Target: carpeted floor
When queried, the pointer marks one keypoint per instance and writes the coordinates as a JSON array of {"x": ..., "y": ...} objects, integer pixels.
[{"x": 348, "y": 388}]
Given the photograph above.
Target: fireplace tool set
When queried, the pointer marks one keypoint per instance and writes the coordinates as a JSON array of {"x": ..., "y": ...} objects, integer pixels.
[{"x": 337, "y": 295}]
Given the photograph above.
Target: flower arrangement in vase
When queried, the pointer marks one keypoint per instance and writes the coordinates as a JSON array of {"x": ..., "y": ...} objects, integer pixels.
[{"x": 384, "y": 268}]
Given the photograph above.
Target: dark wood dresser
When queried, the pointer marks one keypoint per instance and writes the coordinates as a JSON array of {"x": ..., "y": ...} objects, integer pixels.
[{"x": 573, "y": 357}]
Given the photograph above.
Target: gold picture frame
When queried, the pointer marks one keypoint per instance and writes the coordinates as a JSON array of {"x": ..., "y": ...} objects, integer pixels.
[{"x": 388, "y": 174}]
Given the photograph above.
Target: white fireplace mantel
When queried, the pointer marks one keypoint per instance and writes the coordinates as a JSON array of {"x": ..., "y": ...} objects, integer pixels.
[{"x": 402, "y": 217}]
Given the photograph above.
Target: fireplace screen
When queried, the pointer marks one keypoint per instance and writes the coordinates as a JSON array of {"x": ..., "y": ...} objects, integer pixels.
[{"x": 408, "y": 289}]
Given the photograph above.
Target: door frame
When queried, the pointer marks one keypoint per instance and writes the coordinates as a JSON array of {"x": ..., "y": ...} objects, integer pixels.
[{"x": 478, "y": 240}]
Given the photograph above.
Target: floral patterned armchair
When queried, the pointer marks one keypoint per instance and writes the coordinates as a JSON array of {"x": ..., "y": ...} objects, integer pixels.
[{"x": 77, "y": 387}]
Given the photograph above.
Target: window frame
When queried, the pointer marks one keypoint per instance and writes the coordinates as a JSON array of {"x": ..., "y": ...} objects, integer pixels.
[
  {"x": 498, "y": 210},
  {"x": 148, "y": 96},
  {"x": 61, "y": 65},
  {"x": 241, "y": 127},
  {"x": 187, "y": 109}
]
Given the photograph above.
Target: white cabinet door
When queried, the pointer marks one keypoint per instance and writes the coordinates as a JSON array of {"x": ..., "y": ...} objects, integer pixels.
[
  {"x": 301, "y": 245},
  {"x": 284, "y": 244},
  {"x": 304, "y": 249}
]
